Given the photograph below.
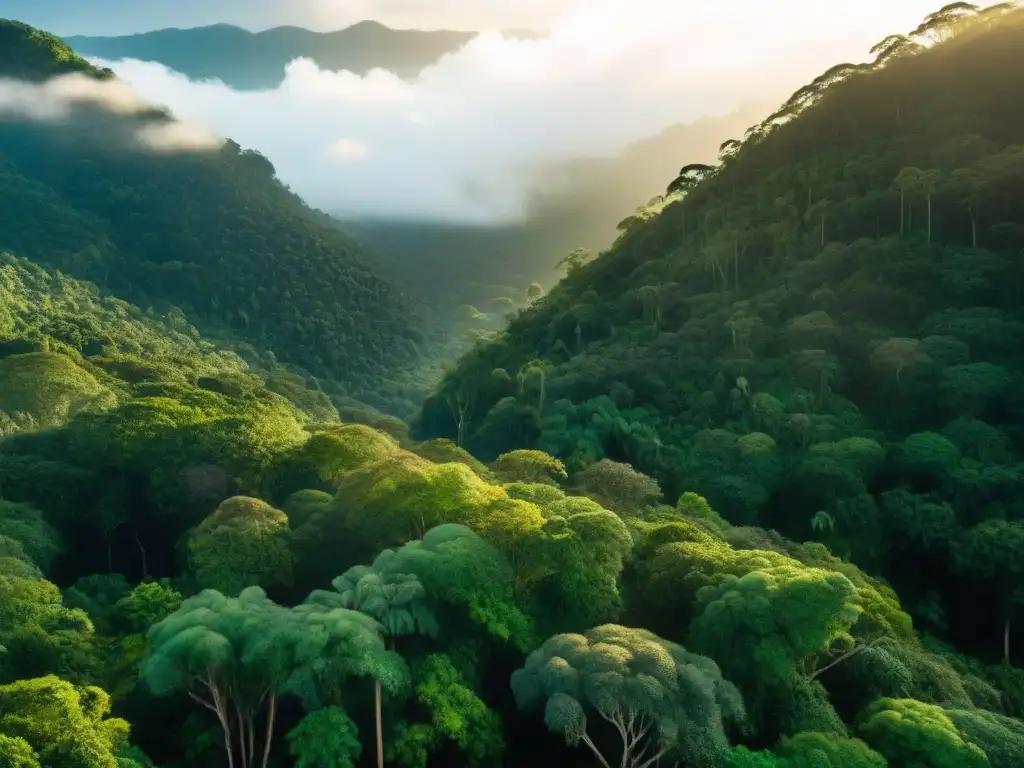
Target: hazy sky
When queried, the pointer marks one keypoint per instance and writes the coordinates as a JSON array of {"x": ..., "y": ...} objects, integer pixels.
[
  {"x": 118, "y": 17},
  {"x": 460, "y": 141}
]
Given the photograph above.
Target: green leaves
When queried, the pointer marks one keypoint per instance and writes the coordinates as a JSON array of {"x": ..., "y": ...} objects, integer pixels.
[
  {"x": 564, "y": 714},
  {"x": 41, "y": 635},
  {"x": 909, "y": 732},
  {"x": 66, "y": 727},
  {"x": 661, "y": 698},
  {"x": 325, "y": 738},
  {"x": 235, "y": 655},
  {"x": 455, "y": 714},
  {"x": 48, "y": 388},
  {"x": 25, "y": 524},
  {"x": 148, "y": 603},
  {"x": 767, "y": 627},
  {"x": 245, "y": 542},
  {"x": 826, "y": 750},
  {"x": 36, "y": 55},
  {"x": 529, "y": 467},
  {"x": 15, "y": 752},
  {"x": 331, "y": 644},
  {"x": 396, "y": 600}
]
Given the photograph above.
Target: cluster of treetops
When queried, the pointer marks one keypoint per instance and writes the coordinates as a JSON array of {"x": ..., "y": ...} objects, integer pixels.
[
  {"x": 203, "y": 565},
  {"x": 214, "y": 234},
  {"x": 821, "y": 335}
]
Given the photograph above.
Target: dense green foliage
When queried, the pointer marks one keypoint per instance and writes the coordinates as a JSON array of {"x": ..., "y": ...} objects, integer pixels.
[
  {"x": 821, "y": 334},
  {"x": 213, "y": 235},
  {"x": 407, "y": 585},
  {"x": 34, "y": 55},
  {"x": 204, "y": 562}
]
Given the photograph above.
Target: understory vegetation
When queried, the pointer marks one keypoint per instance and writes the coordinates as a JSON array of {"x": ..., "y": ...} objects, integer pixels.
[{"x": 741, "y": 492}]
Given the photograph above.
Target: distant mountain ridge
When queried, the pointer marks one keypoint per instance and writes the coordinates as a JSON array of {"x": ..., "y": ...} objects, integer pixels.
[
  {"x": 247, "y": 60},
  {"x": 210, "y": 236}
]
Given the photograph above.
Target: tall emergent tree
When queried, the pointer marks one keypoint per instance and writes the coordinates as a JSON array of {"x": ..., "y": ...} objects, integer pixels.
[
  {"x": 396, "y": 600},
  {"x": 231, "y": 656},
  {"x": 663, "y": 701}
]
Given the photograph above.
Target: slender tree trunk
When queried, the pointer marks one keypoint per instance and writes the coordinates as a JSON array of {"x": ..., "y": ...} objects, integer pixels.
[
  {"x": 227, "y": 742},
  {"x": 974, "y": 228},
  {"x": 590, "y": 744},
  {"x": 219, "y": 708},
  {"x": 380, "y": 725},
  {"x": 543, "y": 392},
  {"x": 463, "y": 412},
  {"x": 903, "y": 211},
  {"x": 822, "y": 230},
  {"x": 243, "y": 752},
  {"x": 1006, "y": 639},
  {"x": 736, "y": 264},
  {"x": 841, "y": 659},
  {"x": 142, "y": 554},
  {"x": 272, "y": 712},
  {"x": 929, "y": 219}
]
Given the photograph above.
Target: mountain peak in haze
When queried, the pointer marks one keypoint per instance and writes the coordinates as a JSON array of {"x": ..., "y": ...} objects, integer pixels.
[
  {"x": 367, "y": 24},
  {"x": 247, "y": 60}
]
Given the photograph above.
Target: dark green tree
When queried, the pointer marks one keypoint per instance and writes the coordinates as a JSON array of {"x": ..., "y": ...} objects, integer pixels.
[{"x": 663, "y": 701}]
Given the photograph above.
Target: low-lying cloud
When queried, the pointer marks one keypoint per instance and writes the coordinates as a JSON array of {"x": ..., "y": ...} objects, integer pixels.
[
  {"x": 60, "y": 98},
  {"x": 464, "y": 140}
]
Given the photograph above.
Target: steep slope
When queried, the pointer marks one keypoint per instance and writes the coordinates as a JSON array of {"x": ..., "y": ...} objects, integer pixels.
[
  {"x": 823, "y": 334},
  {"x": 140, "y": 464},
  {"x": 27, "y": 53},
  {"x": 213, "y": 233},
  {"x": 256, "y": 60},
  {"x": 68, "y": 354}
]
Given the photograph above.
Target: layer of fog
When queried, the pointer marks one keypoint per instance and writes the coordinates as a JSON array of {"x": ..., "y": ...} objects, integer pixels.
[
  {"x": 60, "y": 99},
  {"x": 463, "y": 142}
]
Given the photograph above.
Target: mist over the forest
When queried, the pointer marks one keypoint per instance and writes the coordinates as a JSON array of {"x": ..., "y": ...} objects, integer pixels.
[
  {"x": 86, "y": 101},
  {"x": 467, "y": 140}
]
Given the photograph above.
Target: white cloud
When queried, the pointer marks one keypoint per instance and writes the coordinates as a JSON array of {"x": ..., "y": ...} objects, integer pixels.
[
  {"x": 464, "y": 139},
  {"x": 177, "y": 136},
  {"x": 347, "y": 149},
  {"x": 57, "y": 99}
]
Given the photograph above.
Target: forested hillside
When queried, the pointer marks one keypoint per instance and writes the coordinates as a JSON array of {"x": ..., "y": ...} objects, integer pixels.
[
  {"x": 206, "y": 562},
  {"x": 213, "y": 234},
  {"x": 821, "y": 334},
  {"x": 30, "y": 54},
  {"x": 472, "y": 278},
  {"x": 201, "y": 566}
]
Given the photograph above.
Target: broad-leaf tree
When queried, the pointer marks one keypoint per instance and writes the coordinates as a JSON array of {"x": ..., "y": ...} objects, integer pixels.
[{"x": 665, "y": 703}]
